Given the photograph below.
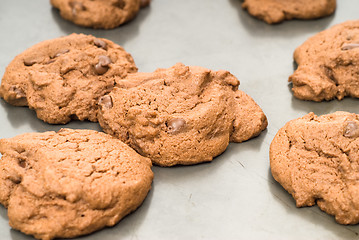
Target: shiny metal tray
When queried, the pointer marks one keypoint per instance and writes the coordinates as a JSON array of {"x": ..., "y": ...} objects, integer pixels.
[{"x": 235, "y": 196}]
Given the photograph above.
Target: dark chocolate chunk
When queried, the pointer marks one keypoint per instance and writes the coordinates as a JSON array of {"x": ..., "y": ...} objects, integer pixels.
[
  {"x": 106, "y": 102},
  {"x": 59, "y": 53},
  {"x": 29, "y": 62},
  {"x": 176, "y": 125},
  {"x": 350, "y": 46},
  {"x": 103, "y": 64},
  {"x": 76, "y": 7},
  {"x": 351, "y": 130},
  {"x": 120, "y": 4},
  {"x": 101, "y": 44}
]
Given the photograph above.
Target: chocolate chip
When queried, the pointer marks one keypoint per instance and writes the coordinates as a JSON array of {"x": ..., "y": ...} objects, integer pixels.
[
  {"x": 50, "y": 61},
  {"x": 351, "y": 130},
  {"x": 106, "y": 102},
  {"x": 29, "y": 62},
  {"x": 350, "y": 46},
  {"x": 18, "y": 91},
  {"x": 175, "y": 125},
  {"x": 145, "y": 3},
  {"x": 120, "y": 4},
  {"x": 76, "y": 7},
  {"x": 102, "y": 66},
  {"x": 22, "y": 163},
  {"x": 59, "y": 53},
  {"x": 101, "y": 44}
]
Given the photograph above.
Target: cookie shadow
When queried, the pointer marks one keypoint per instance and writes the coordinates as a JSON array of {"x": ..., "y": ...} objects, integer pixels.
[
  {"x": 312, "y": 214},
  {"x": 3, "y": 212},
  {"x": 200, "y": 171},
  {"x": 119, "y": 35},
  {"x": 285, "y": 29},
  {"x": 19, "y": 117}
]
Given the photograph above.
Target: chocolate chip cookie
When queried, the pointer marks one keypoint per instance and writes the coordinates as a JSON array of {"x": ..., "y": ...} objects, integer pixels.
[
  {"x": 328, "y": 64},
  {"x": 99, "y": 13},
  {"x": 63, "y": 78},
  {"x": 70, "y": 183},
  {"x": 180, "y": 115},
  {"x": 275, "y": 11},
  {"x": 316, "y": 160}
]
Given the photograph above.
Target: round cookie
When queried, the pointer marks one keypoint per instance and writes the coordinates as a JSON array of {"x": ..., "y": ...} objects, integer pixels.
[
  {"x": 70, "y": 183},
  {"x": 63, "y": 78},
  {"x": 180, "y": 115},
  {"x": 275, "y": 11},
  {"x": 316, "y": 160},
  {"x": 328, "y": 64},
  {"x": 104, "y": 14}
]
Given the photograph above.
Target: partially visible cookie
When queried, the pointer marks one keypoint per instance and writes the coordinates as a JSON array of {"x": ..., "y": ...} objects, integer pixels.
[
  {"x": 70, "y": 183},
  {"x": 275, "y": 11},
  {"x": 180, "y": 115},
  {"x": 63, "y": 78},
  {"x": 104, "y": 14},
  {"x": 316, "y": 160},
  {"x": 328, "y": 64}
]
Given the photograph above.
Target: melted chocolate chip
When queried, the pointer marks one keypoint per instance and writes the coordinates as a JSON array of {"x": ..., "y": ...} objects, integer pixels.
[
  {"x": 351, "y": 130},
  {"x": 102, "y": 66},
  {"x": 59, "y": 53},
  {"x": 76, "y": 7},
  {"x": 350, "y": 46},
  {"x": 29, "y": 62},
  {"x": 176, "y": 125},
  {"x": 101, "y": 44},
  {"x": 106, "y": 102}
]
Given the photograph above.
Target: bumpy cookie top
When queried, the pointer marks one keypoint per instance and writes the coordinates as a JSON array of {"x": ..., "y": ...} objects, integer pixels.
[
  {"x": 327, "y": 64},
  {"x": 70, "y": 183},
  {"x": 316, "y": 160},
  {"x": 275, "y": 11},
  {"x": 63, "y": 78},
  {"x": 99, "y": 13},
  {"x": 181, "y": 115}
]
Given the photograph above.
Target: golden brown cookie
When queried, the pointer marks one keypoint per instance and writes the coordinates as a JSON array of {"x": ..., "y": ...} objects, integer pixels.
[
  {"x": 316, "y": 160},
  {"x": 70, "y": 183},
  {"x": 328, "y": 64},
  {"x": 63, "y": 78},
  {"x": 99, "y": 13},
  {"x": 275, "y": 11},
  {"x": 180, "y": 115}
]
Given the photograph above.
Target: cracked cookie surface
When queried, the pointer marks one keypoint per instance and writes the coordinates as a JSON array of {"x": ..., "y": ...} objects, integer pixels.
[
  {"x": 70, "y": 183},
  {"x": 104, "y": 14},
  {"x": 328, "y": 64},
  {"x": 275, "y": 11},
  {"x": 180, "y": 115},
  {"x": 316, "y": 160},
  {"x": 63, "y": 78}
]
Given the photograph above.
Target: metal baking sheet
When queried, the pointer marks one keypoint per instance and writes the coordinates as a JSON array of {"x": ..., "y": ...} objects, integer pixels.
[{"x": 235, "y": 196}]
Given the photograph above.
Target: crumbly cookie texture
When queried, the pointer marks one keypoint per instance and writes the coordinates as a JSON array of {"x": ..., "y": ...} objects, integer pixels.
[
  {"x": 328, "y": 64},
  {"x": 316, "y": 160},
  {"x": 275, "y": 11},
  {"x": 63, "y": 78},
  {"x": 104, "y": 14},
  {"x": 180, "y": 115},
  {"x": 70, "y": 183}
]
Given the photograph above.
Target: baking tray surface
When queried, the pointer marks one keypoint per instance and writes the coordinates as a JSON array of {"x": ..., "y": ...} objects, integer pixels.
[{"x": 235, "y": 196}]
